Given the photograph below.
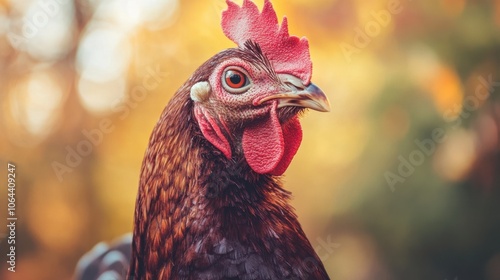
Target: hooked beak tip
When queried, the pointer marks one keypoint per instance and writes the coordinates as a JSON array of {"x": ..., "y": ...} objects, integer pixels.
[{"x": 314, "y": 96}]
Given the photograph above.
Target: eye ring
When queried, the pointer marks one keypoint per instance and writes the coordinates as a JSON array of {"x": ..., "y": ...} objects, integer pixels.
[{"x": 235, "y": 80}]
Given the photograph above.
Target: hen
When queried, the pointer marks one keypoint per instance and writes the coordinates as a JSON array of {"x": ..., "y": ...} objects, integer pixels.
[{"x": 210, "y": 203}]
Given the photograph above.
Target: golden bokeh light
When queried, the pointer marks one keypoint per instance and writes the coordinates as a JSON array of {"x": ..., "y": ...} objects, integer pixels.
[{"x": 83, "y": 82}]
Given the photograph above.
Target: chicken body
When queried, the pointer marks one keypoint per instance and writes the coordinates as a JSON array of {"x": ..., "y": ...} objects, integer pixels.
[{"x": 200, "y": 215}]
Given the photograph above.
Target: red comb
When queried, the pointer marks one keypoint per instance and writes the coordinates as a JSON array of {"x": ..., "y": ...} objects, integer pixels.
[{"x": 288, "y": 54}]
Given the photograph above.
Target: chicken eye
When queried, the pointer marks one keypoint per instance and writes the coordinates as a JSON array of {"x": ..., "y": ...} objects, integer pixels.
[{"x": 235, "y": 81}]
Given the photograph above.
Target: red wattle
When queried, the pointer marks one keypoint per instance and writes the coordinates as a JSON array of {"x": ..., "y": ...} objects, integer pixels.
[
  {"x": 268, "y": 146},
  {"x": 292, "y": 134}
]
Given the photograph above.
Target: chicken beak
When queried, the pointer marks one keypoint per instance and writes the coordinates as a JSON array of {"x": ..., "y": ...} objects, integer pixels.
[{"x": 309, "y": 97}]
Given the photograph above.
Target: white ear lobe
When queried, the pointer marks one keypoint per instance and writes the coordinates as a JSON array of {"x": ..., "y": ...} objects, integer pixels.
[{"x": 200, "y": 91}]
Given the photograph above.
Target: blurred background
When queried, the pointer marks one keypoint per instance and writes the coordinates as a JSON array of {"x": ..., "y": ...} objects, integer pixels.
[{"x": 400, "y": 181}]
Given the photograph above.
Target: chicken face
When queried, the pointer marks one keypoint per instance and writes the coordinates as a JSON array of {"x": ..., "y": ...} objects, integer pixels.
[
  {"x": 245, "y": 87},
  {"x": 246, "y": 102}
]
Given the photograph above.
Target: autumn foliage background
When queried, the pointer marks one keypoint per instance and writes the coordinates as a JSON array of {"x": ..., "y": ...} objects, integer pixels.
[{"x": 398, "y": 74}]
